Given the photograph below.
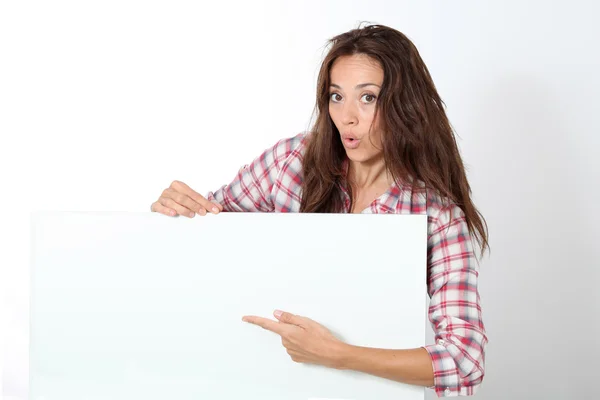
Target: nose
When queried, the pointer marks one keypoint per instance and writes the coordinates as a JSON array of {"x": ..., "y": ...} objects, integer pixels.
[{"x": 349, "y": 113}]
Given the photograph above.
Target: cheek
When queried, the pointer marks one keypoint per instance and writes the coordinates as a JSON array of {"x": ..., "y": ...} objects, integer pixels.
[
  {"x": 333, "y": 114},
  {"x": 373, "y": 123},
  {"x": 367, "y": 117},
  {"x": 331, "y": 111},
  {"x": 376, "y": 136}
]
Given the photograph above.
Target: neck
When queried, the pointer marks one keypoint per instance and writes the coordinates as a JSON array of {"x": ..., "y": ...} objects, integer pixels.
[{"x": 365, "y": 175}]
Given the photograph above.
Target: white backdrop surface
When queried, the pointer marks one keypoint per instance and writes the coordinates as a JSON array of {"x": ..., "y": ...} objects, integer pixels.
[{"x": 104, "y": 104}]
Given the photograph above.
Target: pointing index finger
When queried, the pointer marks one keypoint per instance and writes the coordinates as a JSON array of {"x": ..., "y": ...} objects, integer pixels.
[{"x": 266, "y": 323}]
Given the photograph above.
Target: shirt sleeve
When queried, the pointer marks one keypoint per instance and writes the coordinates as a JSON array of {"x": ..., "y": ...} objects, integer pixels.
[
  {"x": 250, "y": 190},
  {"x": 458, "y": 356}
]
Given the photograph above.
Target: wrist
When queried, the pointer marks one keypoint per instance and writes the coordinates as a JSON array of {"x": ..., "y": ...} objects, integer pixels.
[{"x": 343, "y": 356}]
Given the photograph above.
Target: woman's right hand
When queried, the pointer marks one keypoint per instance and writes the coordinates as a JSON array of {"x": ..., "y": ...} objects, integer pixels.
[{"x": 180, "y": 199}]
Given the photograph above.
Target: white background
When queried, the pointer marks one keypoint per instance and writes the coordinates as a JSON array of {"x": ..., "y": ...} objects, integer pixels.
[{"x": 103, "y": 104}]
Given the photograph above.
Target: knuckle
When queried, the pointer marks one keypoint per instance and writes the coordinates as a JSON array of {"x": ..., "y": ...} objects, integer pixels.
[
  {"x": 286, "y": 317},
  {"x": 170, "y": 203},
  {"x": 182, "y": 199}
]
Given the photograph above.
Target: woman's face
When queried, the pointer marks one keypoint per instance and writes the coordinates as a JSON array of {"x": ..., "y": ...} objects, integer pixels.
[{"x": 355, "y": 85}]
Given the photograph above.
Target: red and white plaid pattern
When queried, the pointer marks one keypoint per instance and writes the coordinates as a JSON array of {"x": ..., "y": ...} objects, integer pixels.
[{"x": 272, "y": 183}]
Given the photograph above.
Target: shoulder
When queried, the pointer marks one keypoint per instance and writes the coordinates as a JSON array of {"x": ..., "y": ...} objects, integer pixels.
[
  {"x": 287, "y": 146},
  {"x": 281, "y": 151},
  {"x": 441, "y": 211},
  {"x": 450, "y": 239},
  {"x": 288, "y": 149}
]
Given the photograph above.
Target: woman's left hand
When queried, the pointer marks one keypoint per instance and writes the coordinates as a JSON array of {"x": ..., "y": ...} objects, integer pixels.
[{"x": 306, "y": 341}]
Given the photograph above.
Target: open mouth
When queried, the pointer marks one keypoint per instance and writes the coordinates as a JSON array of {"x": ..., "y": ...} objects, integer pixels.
[{"x": 351, "y": 142}]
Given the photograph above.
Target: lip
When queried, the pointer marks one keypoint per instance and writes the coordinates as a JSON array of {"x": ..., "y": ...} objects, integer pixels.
[
  {"x": 348, "y": 135},
  {"x": 351, "y": 144}
]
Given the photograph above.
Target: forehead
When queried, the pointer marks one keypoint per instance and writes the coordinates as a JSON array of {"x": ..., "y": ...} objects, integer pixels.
[{"x": 358, "y": 67}]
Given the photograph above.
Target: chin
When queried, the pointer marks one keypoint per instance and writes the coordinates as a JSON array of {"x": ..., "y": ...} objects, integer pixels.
[{"x": 357, "y": 156}]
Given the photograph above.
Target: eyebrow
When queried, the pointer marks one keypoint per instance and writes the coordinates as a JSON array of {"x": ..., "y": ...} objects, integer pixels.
[{"x": 362, "y": 85}]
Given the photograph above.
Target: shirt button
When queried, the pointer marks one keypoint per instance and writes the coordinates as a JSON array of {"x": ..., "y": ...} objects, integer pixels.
[
  {"x": 441, "y": 341},
  {"x": 447, "y": 391}
]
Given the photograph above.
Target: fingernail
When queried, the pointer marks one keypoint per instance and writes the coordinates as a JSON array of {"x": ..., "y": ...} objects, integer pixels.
[
  {"x": 191, "y": 215},
  {"x": 215, "y": 209},
  {"x": 278, "y": 313}
]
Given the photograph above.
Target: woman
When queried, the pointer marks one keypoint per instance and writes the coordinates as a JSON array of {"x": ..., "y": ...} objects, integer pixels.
[{"x": 381, "y": 144}]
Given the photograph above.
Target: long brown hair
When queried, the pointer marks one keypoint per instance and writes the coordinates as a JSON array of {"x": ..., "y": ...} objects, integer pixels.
[{"x": 419, "y": 146}]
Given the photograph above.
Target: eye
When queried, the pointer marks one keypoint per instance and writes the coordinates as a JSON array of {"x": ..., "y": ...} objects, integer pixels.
[
  {"x": 371, "y": 97},
  {"x": 334, "y": 98}
]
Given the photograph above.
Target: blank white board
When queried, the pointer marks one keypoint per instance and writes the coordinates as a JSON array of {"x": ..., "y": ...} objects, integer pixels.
[{"x": 145, "y": 306}]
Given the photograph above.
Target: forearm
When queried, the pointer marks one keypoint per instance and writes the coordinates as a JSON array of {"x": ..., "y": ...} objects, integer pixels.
[{"x": 411, "y": 366}]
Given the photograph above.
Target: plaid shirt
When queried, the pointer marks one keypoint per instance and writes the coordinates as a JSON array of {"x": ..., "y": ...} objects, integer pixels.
[{"x": 272, "y": 183}]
